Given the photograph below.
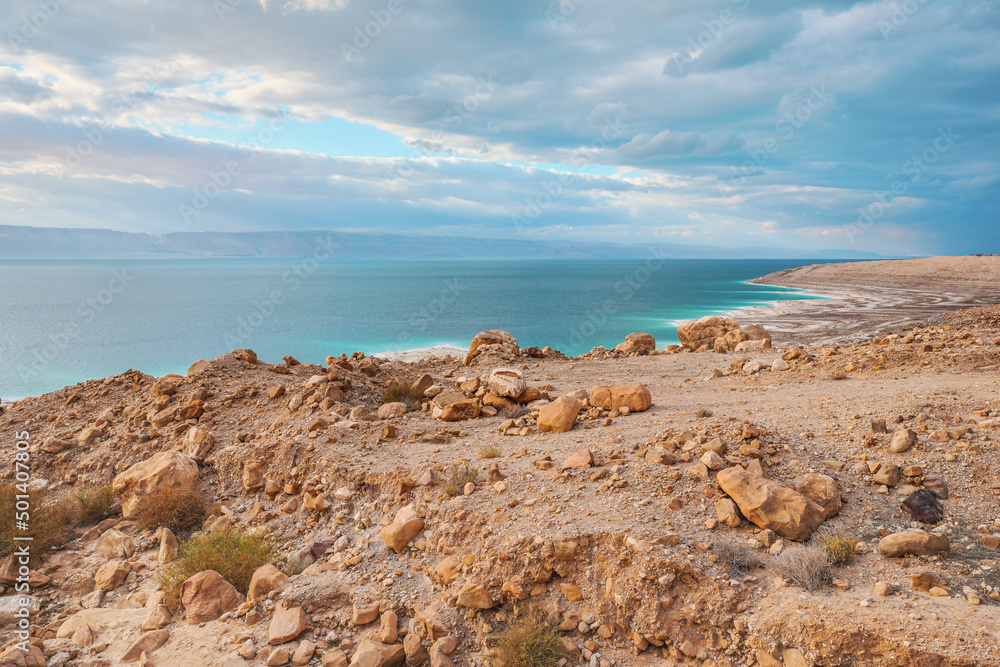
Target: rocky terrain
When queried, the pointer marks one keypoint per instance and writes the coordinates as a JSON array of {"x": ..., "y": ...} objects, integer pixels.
[{"x": 655, "y": 506}]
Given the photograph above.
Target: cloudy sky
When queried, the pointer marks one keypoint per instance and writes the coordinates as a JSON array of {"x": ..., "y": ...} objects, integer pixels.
[{"x": 870, "y": 126}]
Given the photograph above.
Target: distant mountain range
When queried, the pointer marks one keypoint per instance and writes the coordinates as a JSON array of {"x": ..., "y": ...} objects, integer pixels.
[{"x": 21, "y": 242}]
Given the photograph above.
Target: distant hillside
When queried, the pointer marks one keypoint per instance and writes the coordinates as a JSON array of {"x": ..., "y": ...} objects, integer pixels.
[{"x": 55, "y": 243}]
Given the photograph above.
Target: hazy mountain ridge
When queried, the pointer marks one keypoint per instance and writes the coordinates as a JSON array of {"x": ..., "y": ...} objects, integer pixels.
[{"x": 23, "y": 242}]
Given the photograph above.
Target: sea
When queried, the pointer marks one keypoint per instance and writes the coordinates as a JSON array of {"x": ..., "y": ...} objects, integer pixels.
[{"x": 66, "y": 321}]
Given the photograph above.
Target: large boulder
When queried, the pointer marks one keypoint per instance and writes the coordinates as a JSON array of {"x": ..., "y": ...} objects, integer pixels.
[
  {"x": 559, "y": 415},
  {"x": 115, "y": 544},
  {"x": 492, "y": 343},
  {"x": 207, "y": 595},
  {"x": 771, "y": 505},
  {"x": 635, "y": 397},
  {"x": 507, "y": 382},
  {"x": 704, "y": 331},
  {"x": 169, "y": 472},
  {"x": 637, "y": 343},
  {"x": 912, "y": 542},
  {"x": 265, "y": 579}
]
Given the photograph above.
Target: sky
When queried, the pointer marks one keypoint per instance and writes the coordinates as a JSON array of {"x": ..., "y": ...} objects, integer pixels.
[{"x": 868, "y": 126}]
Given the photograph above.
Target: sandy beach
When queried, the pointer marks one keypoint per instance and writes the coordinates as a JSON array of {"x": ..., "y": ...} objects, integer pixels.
[{"x": 865, "y": 299}]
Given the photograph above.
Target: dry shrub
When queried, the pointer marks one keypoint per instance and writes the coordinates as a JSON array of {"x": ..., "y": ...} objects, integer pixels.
[
  {"x": 529, "y": 640},
  {"x": 739, "y": 557},
  {"x": 49, "y": 518},
  {"x": 806, "y": 567},
  {"x": 180, "y": 512},
  {"x": 233, "y": 553},
  {"x": 96, "y": 503},
  {"x": 401, "y": 392},
  {"x": 458, "y": 477},
  {"x": 514, "y": 411},
  {"x": 490, "y": 452},
  {"x": 839, "y": 548}
]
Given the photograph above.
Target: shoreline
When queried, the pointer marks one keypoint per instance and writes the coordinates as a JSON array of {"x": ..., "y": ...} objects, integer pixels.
[{"x": 861, "y": 300}]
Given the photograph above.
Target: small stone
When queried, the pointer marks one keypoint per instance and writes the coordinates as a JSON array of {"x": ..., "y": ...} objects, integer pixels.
[
  {"x": 883, "y": 589},
  {"x": 902, "y": 440},
  {"x": 571, "y": 591}
]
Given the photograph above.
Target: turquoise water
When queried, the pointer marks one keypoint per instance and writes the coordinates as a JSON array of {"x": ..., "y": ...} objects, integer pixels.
[{"x": 64, "y": 321}]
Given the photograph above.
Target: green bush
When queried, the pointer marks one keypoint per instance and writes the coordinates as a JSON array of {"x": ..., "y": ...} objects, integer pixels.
[
  {"x": 839, "y": 548},
  {"x": 233, "y": 553}
]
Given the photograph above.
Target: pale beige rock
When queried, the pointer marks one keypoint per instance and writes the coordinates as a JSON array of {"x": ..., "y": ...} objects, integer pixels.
[
  {"x": 207, "y": 595},
  {"x": 388, "y": 631},
  {"x": 771, "y": 505},
  {"x": 882, "y": 588},
  {"x": 168, "y": 472},
  {"x": 491, "y": 341},
  {"x": 286, "y": 624},
  {"x": 147, "y": 643},
  {"x": 115, "y": 544},
  {"x": 404, "y": 527},
  {"x": 581, "y": 459},
  {"x": 712, "y": 461},
  {"x": 198, "y": 443},
  {"x": 168, "y": 546},
  {"x": 303, "y": 654},
  {"x": 265, "y": 579},
  {"x": 637, "y": 343},
  {"x": 507, "y": 382},
  {"x": 912, "y": 542},
  {"x": 278, "y": 657},
  {"x": 448, "y": 570},
  {"x": 474, "y": 596},
  {"x": 822, "y": 490},
  {"x": 89, "y": 435},
  {"x": 704, "y": 331},
  {"x": 83, "y": 636},
  {"x": 559, "y": 415},
  {"x": 55, "y": 445},
  {"x": 726, "y": 511},
  {"x": 392, "y": 410},
  {"x": 461, "y": 410},
  {"x": 253, "y": 476},
  {"x": 334, "y": 658},
  {"x": 363, "y": 615},
  {"x": 902, "y": 440},
  {"x": 888, "y": 474},
  {"x": 635, "y": 397},
  {"x": 414, "y": 650},
  {"x": 159, "y": 617},
  {"x": 110, "y": 575},
  {"x": 571, "y": 591}
]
